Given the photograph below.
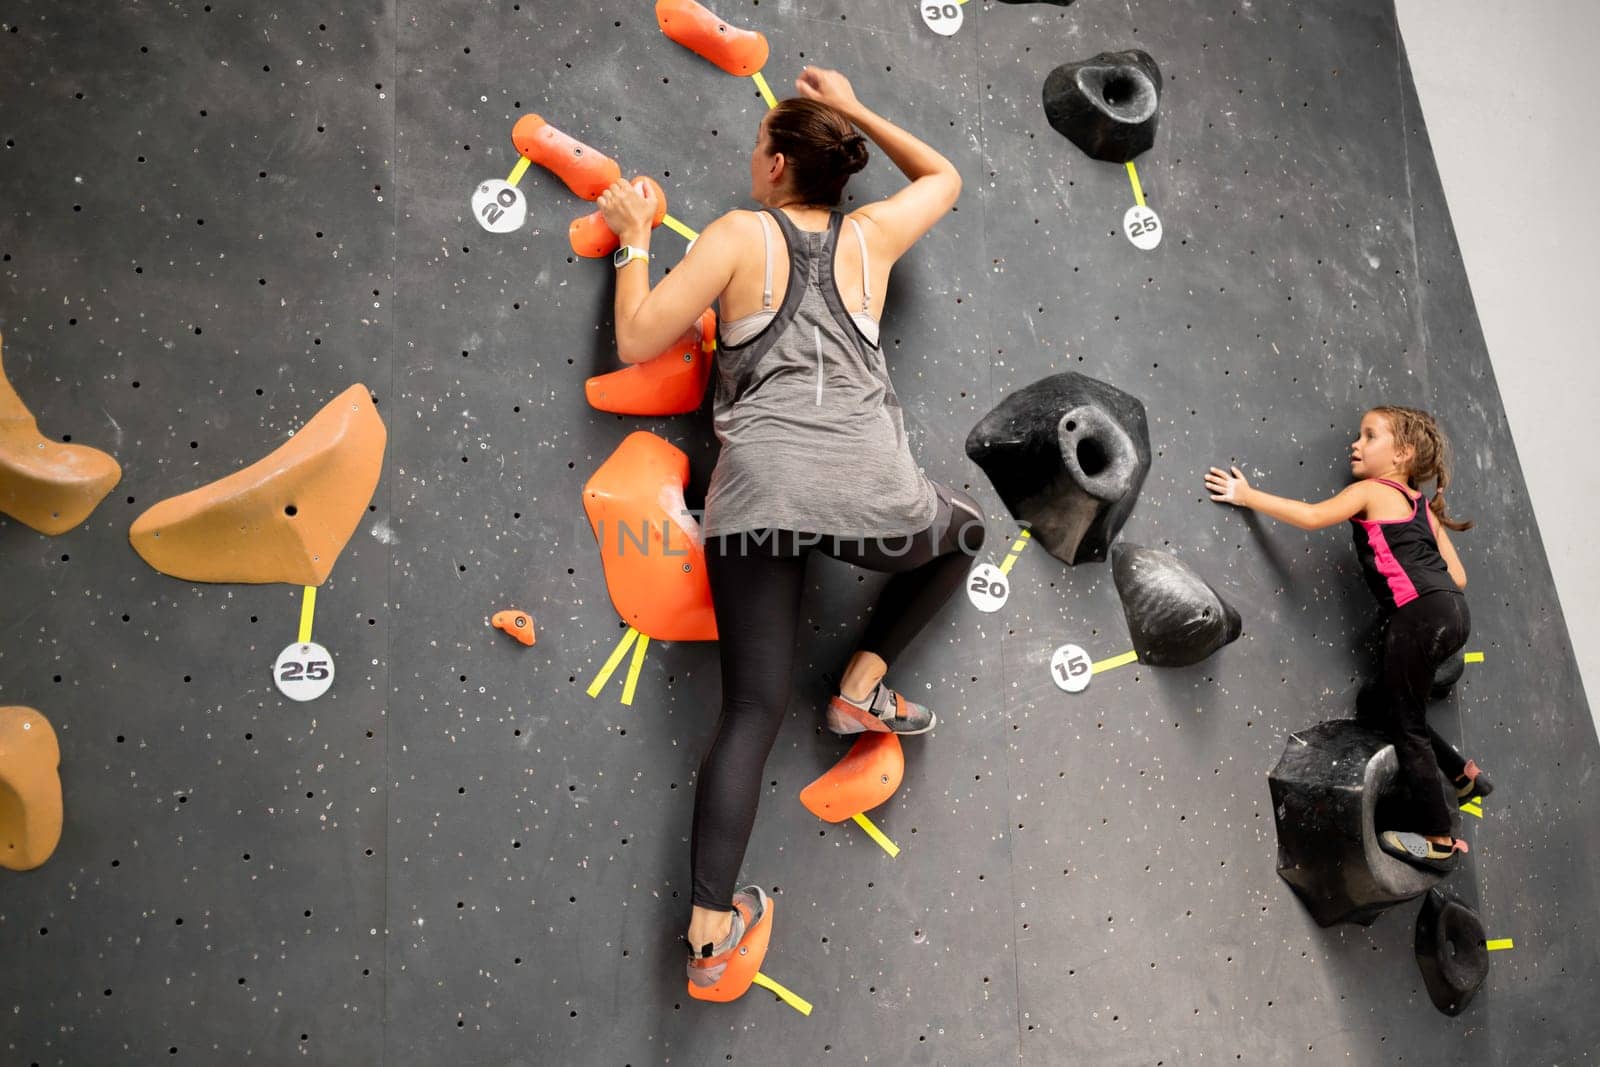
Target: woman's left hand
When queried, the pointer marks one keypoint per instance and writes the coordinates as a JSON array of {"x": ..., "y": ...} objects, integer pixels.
[
  {"x": 628, "y": 211},
  {"x": 1227, "y": 487}
]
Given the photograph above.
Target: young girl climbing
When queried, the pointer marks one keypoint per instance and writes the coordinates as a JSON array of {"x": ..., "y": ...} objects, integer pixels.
[
  {"x": 814, "y": 457},
  {"x": 1413, "y": 570}
]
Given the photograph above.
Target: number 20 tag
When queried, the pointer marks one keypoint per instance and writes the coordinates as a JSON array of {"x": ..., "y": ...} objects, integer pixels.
[
  {"x": 987, "y": 588},
  {"x": 943, "y": 18},
  {"x": 499, "y": 206},
  {"x": 303, "y": 671}
]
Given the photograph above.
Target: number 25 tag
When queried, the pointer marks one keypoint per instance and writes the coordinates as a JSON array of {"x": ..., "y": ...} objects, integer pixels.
[
  {"x": 303, "y": 671},
  {"x": 1142, "y": 227},
  {"x": 943, "y": 18}
]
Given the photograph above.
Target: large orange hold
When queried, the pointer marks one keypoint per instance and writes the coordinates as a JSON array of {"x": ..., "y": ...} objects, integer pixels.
[
  {"x": 586, "y": 171},
  {"x": 745, "y": 963},
  {"x": 592, "y": 238},
  {"x": 46, "y": 484},
  {"x": 867, "y": 776},
  {"x": 30, "y": 789},
  {"x": 741, "y": 52},
  {"x": 284, "y": 518},
  {"x": 650, "y": 546},
  {"x": 672, "y": 383}
]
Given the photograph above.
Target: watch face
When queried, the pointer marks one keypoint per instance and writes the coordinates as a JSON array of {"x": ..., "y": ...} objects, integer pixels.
[{"x": 624, "y": 254}]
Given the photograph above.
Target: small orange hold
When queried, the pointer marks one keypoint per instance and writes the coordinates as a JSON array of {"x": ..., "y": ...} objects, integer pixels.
[
  {"x": 740, "y": 52},
  {"x": 586, "y": 171},
  {"x": 518, "y": 624},
  {"x": 592, "y": 238}
]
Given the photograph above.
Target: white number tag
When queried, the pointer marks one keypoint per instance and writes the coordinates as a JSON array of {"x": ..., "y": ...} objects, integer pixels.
[
  {"x": 303, "y": 672},
  {"x": 987, "y": 588},
  {"x": 1070, "y": 668},
  {"x": 1142, "y": 227},
  {"x": 499, "y": 206},
  {"x": 943, "y": 18}
]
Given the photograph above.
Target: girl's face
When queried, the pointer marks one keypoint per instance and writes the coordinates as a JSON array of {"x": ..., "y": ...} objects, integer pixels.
[{"x": 1375, "y": 453}]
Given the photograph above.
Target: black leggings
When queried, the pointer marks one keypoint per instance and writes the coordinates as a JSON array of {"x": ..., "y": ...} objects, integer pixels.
[
  {"x": 1417, "y": 639},
  {"x": 756, "y": 581}
]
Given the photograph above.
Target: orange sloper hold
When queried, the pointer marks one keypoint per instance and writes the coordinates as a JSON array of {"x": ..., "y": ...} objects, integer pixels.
[
  {"x": 586, "y": 171},
  {"x": 518, "y": 624},
  {"x": 284, "y": 518},
  {"x": 867, "y": 776},
  {"x": 30, "y": 789},
  {"x": 46, "y": 484},
  {"x": 650, "y": 547},
  {"x": 672, "y": 383},
  {"x": 743, "y": 965},
  {"x": 741, "y": 52},
  {"x": 592, "y": 238}
]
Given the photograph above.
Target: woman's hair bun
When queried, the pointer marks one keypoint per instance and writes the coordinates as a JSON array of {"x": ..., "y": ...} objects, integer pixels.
[{"x": 853, "y": 153}]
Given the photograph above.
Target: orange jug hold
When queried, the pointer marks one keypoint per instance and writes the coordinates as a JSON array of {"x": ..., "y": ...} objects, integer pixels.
[
  {"x": 586, "y": 171},
  {"x": 672, "y": 383},
  {"x": 741, "y": 52},
  {"x": 867, "y": 776},
  {"x": 591, "y": 238}
]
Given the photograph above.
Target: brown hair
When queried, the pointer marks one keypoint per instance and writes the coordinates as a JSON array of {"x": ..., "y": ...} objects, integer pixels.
[
  {"x": 1416, "y": 430},
  {"x": 821, "y": 146}
]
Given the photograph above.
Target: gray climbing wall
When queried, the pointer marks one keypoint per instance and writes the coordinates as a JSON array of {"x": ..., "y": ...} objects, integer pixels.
[{"x": 216, "y": 216}]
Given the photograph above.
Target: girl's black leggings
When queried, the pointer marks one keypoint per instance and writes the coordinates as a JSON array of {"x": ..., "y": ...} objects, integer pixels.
[
  {"x": 756, "y": 581},
  {"x": 1417, "y": 639}
]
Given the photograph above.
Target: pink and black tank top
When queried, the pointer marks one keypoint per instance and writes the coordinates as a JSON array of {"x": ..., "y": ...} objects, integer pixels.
[{"x": 1400, "y": 557}]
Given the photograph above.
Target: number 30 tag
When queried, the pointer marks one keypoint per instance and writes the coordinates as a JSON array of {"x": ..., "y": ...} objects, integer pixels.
[
  {"x": 943, "y": 18},
  {"x": 1071, "y": 668},
  {"x": 303, "y": 672}
]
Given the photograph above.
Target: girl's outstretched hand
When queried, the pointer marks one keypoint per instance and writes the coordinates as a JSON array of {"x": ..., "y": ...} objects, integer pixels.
[
  {"x": 828, "y": 87},
  {"x": 1227, "y": 488}
]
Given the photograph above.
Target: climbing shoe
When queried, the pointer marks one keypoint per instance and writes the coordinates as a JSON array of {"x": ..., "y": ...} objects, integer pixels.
[
  {"x": 722, "y": 972},
  {"x": 883, "y": 711},
  {"x": 1416, "y": 849},
  {"x": 1472, "y": 785}
]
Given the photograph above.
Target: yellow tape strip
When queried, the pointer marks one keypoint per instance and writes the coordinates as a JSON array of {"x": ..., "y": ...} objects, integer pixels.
[
  {"x": 679, "y": 228},
  {"x": 1498, "y": 944},
  {"x": 1138, "y": 190},
  {"x": 1016, "y": 550},
  {"x": 794, "y": 1000},
  {"x": 308, "y": 608},
  {"x": 766, "y": 91},
  {"x": 604, "y": 676},
  {"x": 876, "y": 834},
  {"x": 1114, "y": 661},
  {"x": 1473, "y": 657},
  {"x": 633, "y": 669},
  {"x": 1472, "y": 809},
  {"x": 518, "y": 171}
]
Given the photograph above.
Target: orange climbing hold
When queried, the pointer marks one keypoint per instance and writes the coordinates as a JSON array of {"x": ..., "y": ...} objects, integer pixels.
[
  {"x": 741, "y": 52},
  {"x": 284, "y": 518},
  {"x": 586, "y": 171},
  {"x": 592, "y": 238},
  {"x": 650, "y": 546},
  {"x": 518, "y": 624},
  {"x": 46, "y": 484},
  {"x": 30, "y": 789},
  {"x": 672, "y": 383},
  {"x": 744, "y": 961},
  {"x": 867, "y": 776}
]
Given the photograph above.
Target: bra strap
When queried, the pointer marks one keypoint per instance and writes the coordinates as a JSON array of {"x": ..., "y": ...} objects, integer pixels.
[
  {"x": 766, "y": 246},
  {"x": 866, "y": 273}
]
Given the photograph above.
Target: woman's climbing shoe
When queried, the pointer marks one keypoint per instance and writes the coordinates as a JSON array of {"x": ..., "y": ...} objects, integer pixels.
[
  {"x": 1472, "y": 785},
  {"x": 722, "y": 972},
  {"x": 1417, "y": 849},
  {"x": 884, "y": 711}
]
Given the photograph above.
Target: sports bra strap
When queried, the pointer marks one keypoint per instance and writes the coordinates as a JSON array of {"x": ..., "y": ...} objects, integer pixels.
[
  {"x": 1396, "y": 485},
  {"x": 866, "y": 285},
  {"x": 766, "y": 246}
]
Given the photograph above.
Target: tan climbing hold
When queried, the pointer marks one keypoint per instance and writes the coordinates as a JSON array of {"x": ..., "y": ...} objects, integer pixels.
[
  {"x": 30, "y": 789},
  {"x": 285, "y": 518},
  {"x": 46, "y": 484}
]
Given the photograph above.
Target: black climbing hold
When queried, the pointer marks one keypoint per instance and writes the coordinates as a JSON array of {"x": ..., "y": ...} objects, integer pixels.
[
  {"x": 1107, "y": 105},
  {"x": 1446, "y": 677},
  {"x": 1174, "y": 616},
  {"x": 1450, "y": 951},
  {"x": 1326, "y": 791},
  {"x": 1067, "y": 455}
]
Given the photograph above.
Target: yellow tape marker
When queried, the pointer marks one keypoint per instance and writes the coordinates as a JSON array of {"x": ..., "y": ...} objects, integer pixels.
[
  {"x": 518, "y": 171},
  {"x": 308, "y": 608},
  {"x": 1473, "y": 657},
  {"x": 1499, "y": 944},
  {"x": 1114, "y": 661},
  {"x": 604, "y": 676},
  {"x": 1016, "y": 550},
  {"x": 876, "y": 834},
  {"x": 1138, "y": 190},
  {"x": 794, "y": 1000},
  {"x": 766, "y": 91},
  {"x": 1473, "y": 809},
  {"x": 633, "y": 669},
  {"x": 679, "y": 228}
]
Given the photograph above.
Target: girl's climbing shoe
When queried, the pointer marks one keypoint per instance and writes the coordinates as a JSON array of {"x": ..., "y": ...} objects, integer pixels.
[
  {"x": 1417, "y": 849},
  {"x": 722, "y": 972},
  {"x": 1472, "y": 785},
  {"x": 883, "y": 711}
]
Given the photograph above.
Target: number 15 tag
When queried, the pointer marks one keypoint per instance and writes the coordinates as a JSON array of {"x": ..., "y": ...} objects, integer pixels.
[
  {"x": 303, "y": 671},
  {"x": 1071, "y": 668}
]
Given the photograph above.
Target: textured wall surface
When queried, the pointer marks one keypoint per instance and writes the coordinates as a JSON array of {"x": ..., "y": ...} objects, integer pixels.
[{"x": 214, "y": 217}]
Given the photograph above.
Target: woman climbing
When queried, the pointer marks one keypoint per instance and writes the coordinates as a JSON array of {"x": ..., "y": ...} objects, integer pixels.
[
  {"x": 814, "y": 453},
  {"x": 1413, "y": 570}
]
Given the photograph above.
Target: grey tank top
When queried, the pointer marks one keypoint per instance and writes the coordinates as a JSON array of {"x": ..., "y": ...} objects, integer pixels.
[{"x": 811, "y": 429}]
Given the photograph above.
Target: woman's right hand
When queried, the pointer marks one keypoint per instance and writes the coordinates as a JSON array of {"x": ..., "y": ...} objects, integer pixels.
[{"x": 827, "y": 87}]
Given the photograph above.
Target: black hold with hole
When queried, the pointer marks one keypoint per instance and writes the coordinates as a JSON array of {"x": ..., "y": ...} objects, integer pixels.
[{"x": 1107, "y": 105}]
